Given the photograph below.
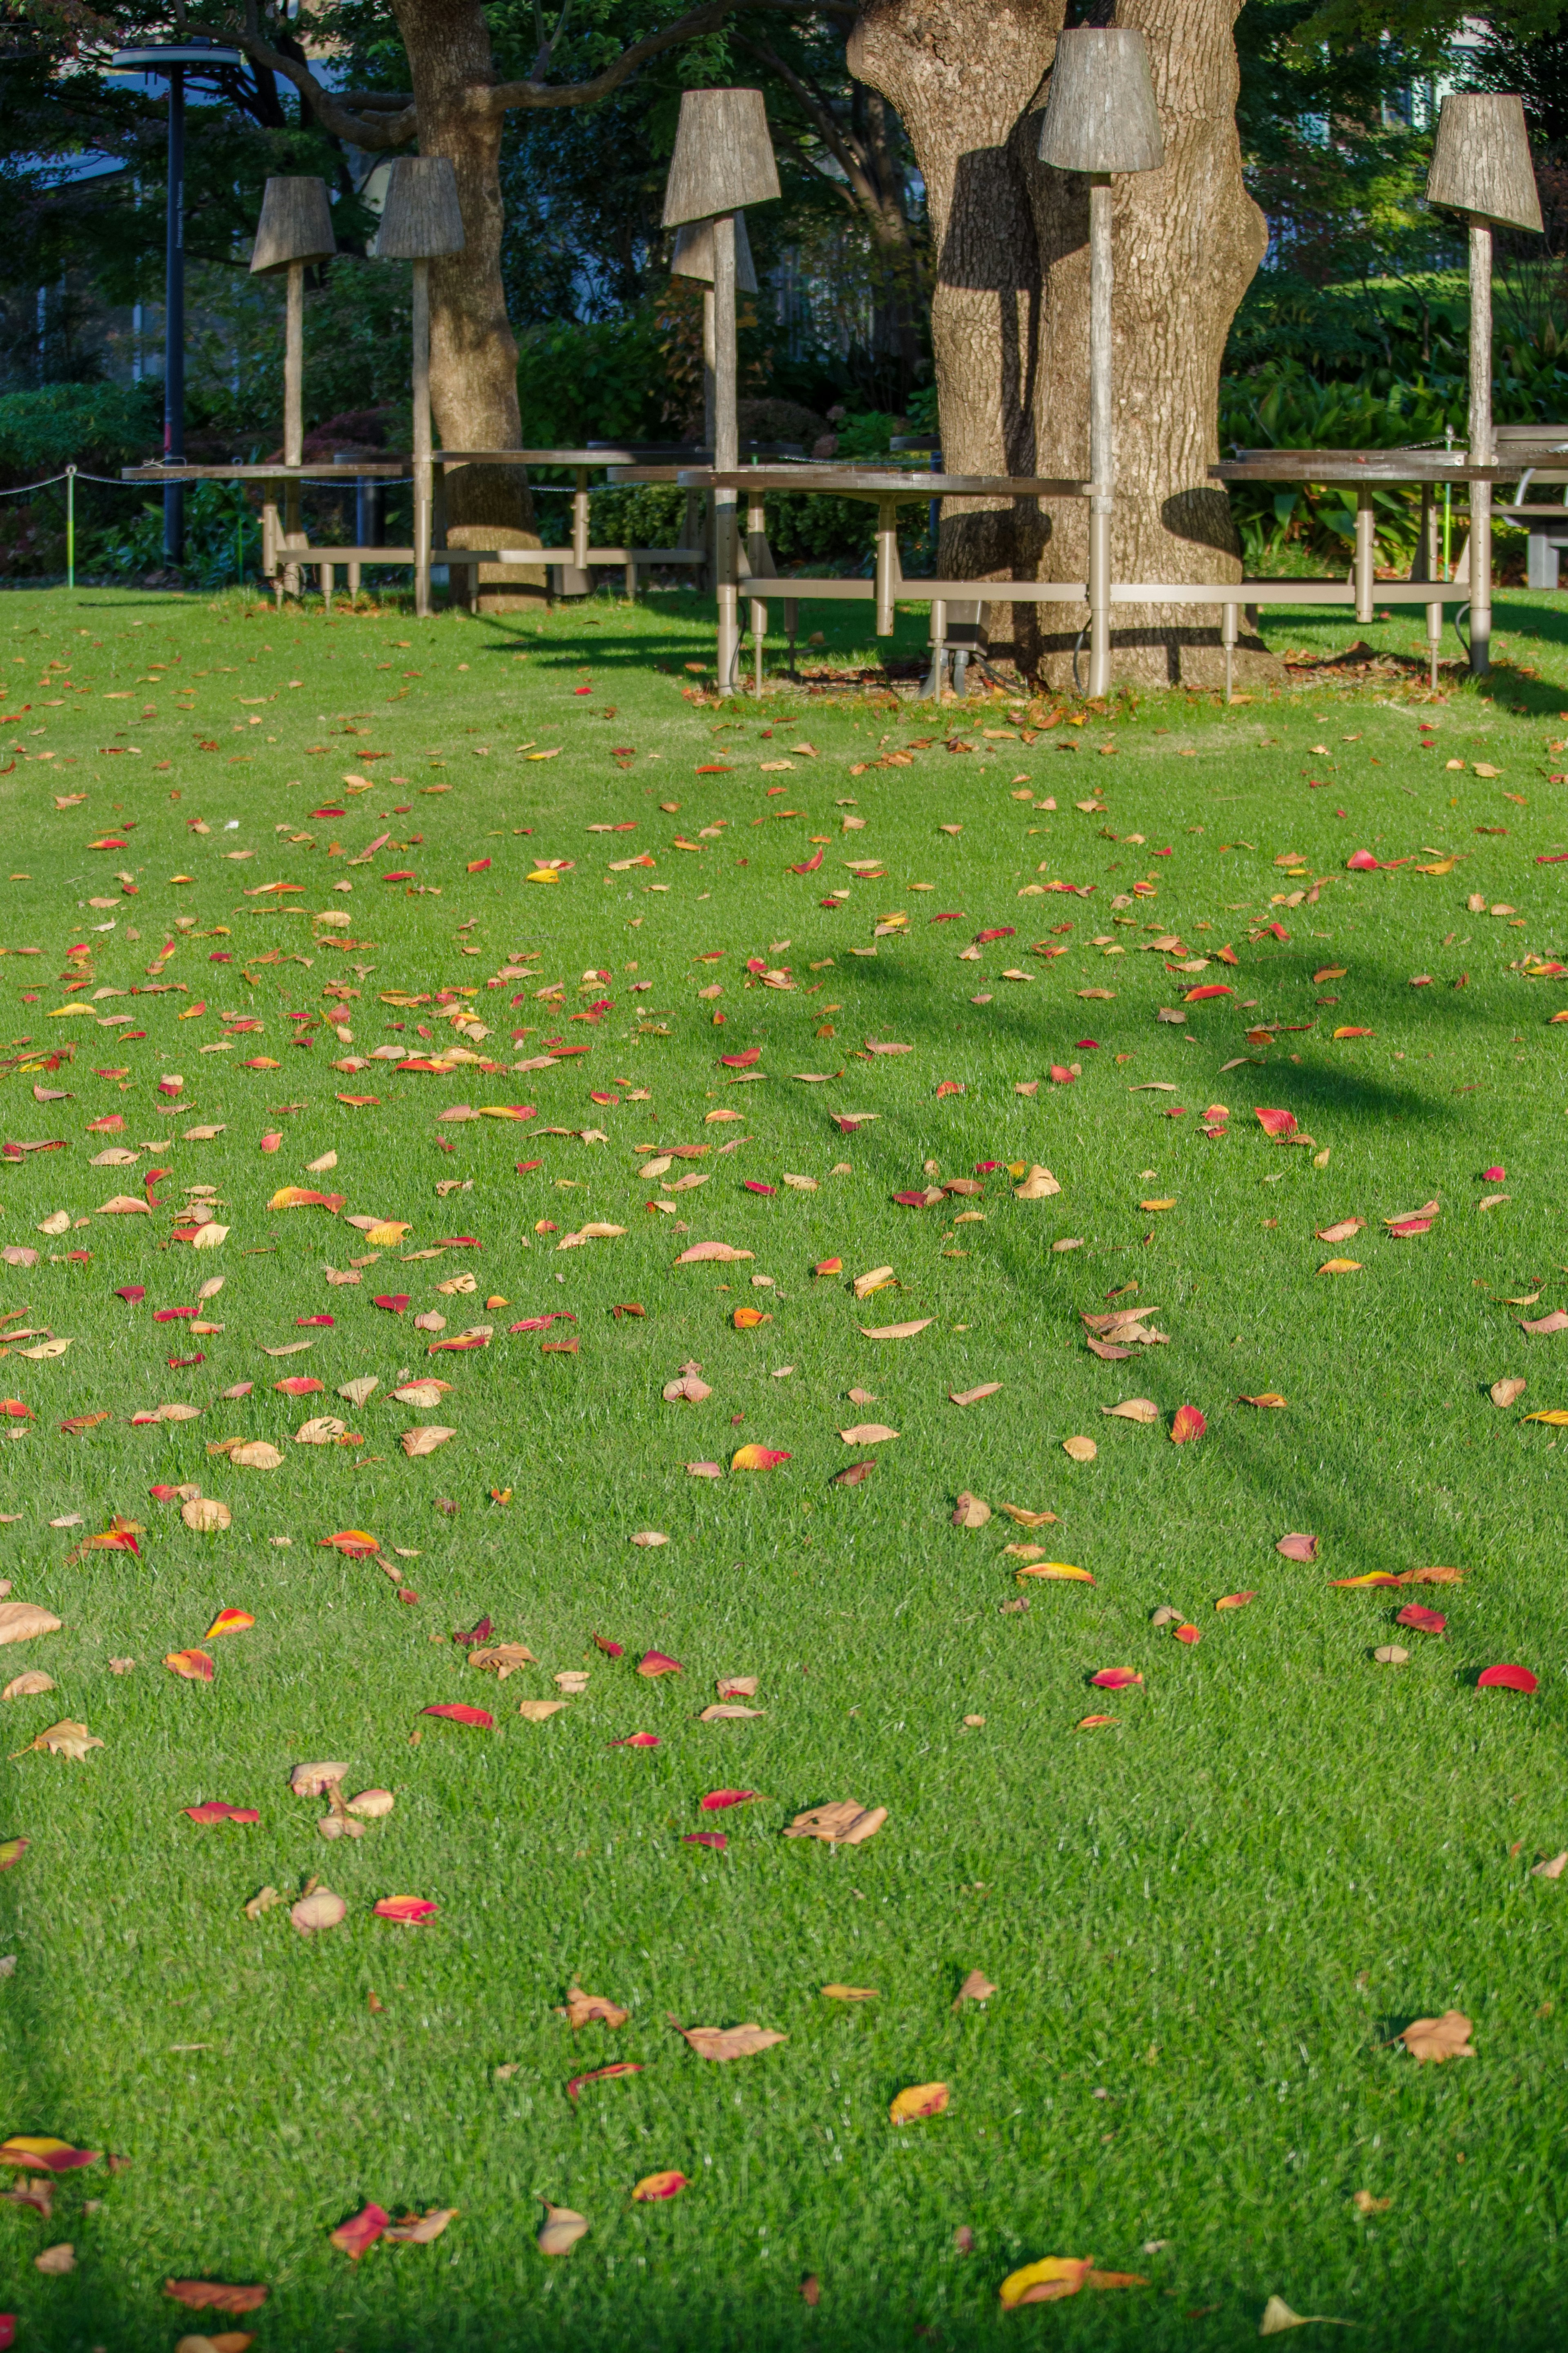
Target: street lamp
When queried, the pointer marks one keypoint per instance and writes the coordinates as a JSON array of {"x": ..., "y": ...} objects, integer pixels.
[
  {"x": 1101, "y": 117},
  {"x": 174, "y": 59}
]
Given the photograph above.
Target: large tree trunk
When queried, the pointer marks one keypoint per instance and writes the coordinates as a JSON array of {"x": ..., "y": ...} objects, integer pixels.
[
  {"x": 1010, "y": 312},
  {"x": 473, "y": 352}
]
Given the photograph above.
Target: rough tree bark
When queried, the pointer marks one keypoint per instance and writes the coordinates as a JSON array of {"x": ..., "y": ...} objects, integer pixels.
[
  {"x": 1010, "y": 309},
  {"x": 473, "y": 351},
  {"x": 457, "y": 108}
]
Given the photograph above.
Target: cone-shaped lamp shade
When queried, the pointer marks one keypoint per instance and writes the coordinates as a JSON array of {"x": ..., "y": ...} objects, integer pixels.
[
  {"x": 724, "y": 156},
  {"x": 1480, "y": 162},
  {"x": 421, "y": 217},
  {"x": 1101, "y": 115},
  {"x": 296, "y": 225},
  {"x": 694, "y": 254}
]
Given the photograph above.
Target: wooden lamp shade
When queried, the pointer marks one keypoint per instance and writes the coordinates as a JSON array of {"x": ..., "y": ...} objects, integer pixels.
[
  {"x": 724, "y": 156},
  {"x": 296, "y": 225},
  {"x": 694, "y": 254},
  {"x": 1101, "y": 115},
  {"x": 1480, "y": 162},
  {"x": 422, "y": 218}
]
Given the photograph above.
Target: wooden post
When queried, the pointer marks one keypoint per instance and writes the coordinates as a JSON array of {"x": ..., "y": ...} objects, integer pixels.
[
  {"x": 1366, "y": 554},
  {"x": 1101, "y": 445},
  {"x": 726, "y": 447},
  {"x": 293, "y": 411},
  {"x": 422, "y": 467},
  {"x": 723, "y": 160},
  {"x": 1099, "y": 117},
  {"x": 421, "y": 218},
  {"x": 1483, "y": 448},
  {"x": 1481, "y": 167},
  {"x": 886, "y": 563}
]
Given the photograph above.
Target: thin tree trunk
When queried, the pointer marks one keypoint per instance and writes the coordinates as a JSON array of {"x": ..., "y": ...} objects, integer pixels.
[
  {"x": 1010, "y": 313},
  {"x": 473, "y": 352}
]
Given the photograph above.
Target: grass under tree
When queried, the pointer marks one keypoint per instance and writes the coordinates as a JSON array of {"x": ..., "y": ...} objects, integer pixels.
[{"x": 1206, "y": 1922}]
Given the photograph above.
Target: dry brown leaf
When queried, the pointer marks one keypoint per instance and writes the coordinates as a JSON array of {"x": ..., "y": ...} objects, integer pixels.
[
  {"x": 866, "y": 1433},
  {"x": 1365, "y": 2203},
  {"x": 686, "y": 1389},
  {"x": 20, "y": 1621},
  {"x": 317, "y": 1910},
  {"x": 425, "y": 1437},
  {"x": 1550, "y": 1870},
  {"x": 877, "y": 1279},
  {"x": 372, "y": 1805},
  {"x": 539, "y": 1711},
  {"x": 56, "y": 2261},
  {"x": 969, "y": 1512},
  {"x": 1081, "y": 1450},
  {"x": 586, "y": 2008},
  {"x": 67, "y": 1738},
  {"x": 1507, "y": 1392},
  {"x": 723, "y": 1712},
  {"x": 896, "y": 1331},
  {"x": 1436, "y": 2039},
  {"x": 1023, "y": 1519},
  {"x": 424, "y": 1394},
  {"x": 1391, "y": 1654},
  {"x": 736, "y": 1686},
  {"x": 254, "y": 1454},
  {"x": 844, "y": 1823},
  {"x": 418, "y": 2229},
  {"x": 504, "y": 1657},
  {"x": 205, "y": 1516},
  {"x": 359, "y": 1392},
  {"x": 850, "y": 1993},
  {"x": 972, "y": 1397},
  {"x": 976, "y": 1987},
  {"x": 1143, "y": 1409},
  {"x": 725, "y": 2042},
  {"x": 315, "y": 1780},
  {"x": 28, "y": 1687},
  {"x": 1038, "y": 1186},
  {"x": 562, "y": 2230}
]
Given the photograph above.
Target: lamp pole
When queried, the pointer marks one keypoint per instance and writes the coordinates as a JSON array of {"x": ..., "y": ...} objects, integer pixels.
[
  {"x": 170, "y": 60},
  {"x": 174, "y": 321}
]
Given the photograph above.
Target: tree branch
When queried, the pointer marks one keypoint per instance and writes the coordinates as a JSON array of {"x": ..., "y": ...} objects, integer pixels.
[
  {"x": 379, "y": 131},
  {"x": 503, "y": 96}
]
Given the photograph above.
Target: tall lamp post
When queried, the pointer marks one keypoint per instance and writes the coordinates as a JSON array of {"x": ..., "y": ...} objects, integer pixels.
[
  {"x": 1100, "y": 117},
  {"x": 421, "y": 220},
  {"x": 723, "y": 160},
  {"x": 173, "y": 60},
  {"x": 1481, "y": 167}
]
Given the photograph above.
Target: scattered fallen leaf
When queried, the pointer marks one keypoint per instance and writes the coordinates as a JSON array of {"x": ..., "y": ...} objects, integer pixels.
[
  {"x": 1436, "y": 2039},
  {"x": 917, "y": 2100},
  {"x": 725, "y": 2042},
  {"x": 562, "y": 2230}
]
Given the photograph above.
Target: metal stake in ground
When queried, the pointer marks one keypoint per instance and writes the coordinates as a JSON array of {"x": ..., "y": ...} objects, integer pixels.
[
  {"x": 723, "y": 160},
  {"x": 1481, "y": 167},
  {"x": 1100, "y": 117}
]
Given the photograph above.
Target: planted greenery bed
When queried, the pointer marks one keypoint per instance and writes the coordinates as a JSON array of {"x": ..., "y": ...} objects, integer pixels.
[{"x": 1204, "y": 1923}]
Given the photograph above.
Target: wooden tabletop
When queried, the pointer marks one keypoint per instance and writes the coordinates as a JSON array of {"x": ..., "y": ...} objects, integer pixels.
[
  {"x": 872, "y": 482},
  {"x": 1348, "y": 466},
  {"x": 352, "y": 468},
  {"x": 606, "y": 453}
]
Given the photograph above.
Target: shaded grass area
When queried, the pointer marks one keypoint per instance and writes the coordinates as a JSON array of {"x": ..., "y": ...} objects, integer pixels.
[{"x": 1206, "y": 1922}]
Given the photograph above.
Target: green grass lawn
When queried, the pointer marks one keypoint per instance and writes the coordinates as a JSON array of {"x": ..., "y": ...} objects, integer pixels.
[{"x": 1205, "y": 1922}]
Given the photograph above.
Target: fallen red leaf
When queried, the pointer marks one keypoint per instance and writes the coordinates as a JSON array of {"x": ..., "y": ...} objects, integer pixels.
[
  {"x": 717, "y": 1800},
  {"x": 659, "y": 1662},
  {"x": 409, "y": 1909},
  {"x": 1186, "y": 1423},
  {"x": 1426, "y": 1622},
  {"x": 1116, "y": 1678},
  {"x": 1277, "y": 1122},
  {"x": 356, "y": 2238},
  {"x": 213, "y": 1809},
  {"x": 611, "y": 1649},
  {"x": 1516, "y": 1679},
  {"x": 637, "y": 1740},
  {"x": 456, "y": 1711},
  {"x": 603, "y": 2075},
  {"x": 298, "y": 1384}
]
